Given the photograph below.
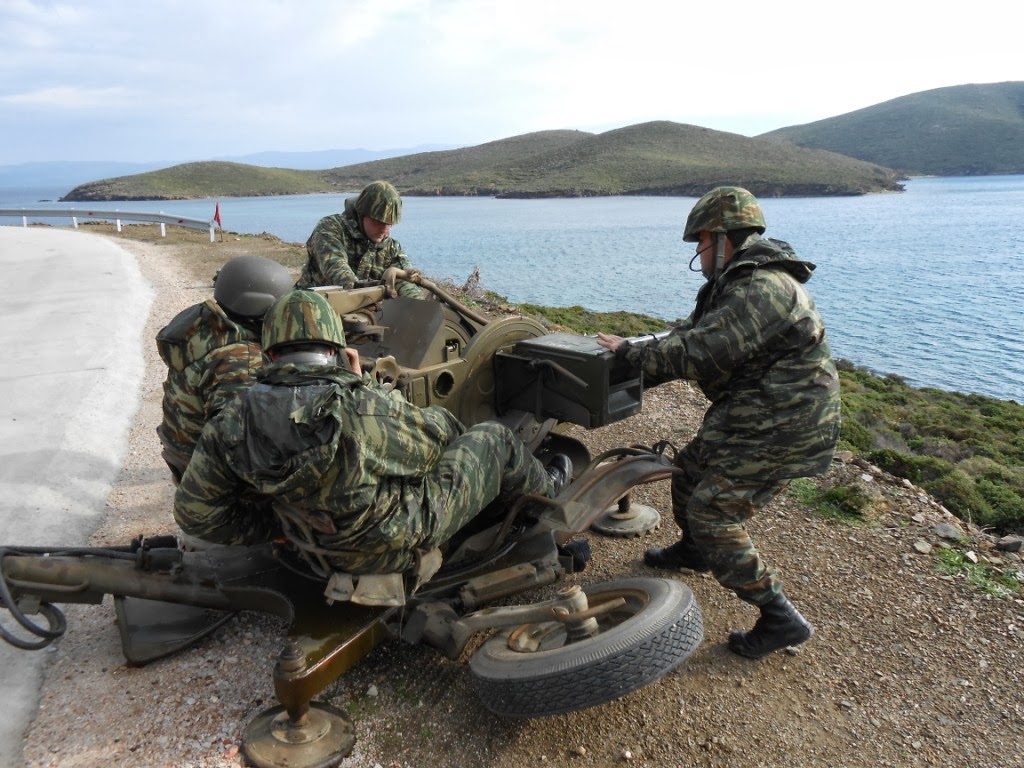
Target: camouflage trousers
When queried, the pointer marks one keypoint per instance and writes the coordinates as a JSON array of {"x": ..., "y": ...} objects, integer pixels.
[
  {"x": 711, "y": 509},
  {"x": 177, "y": 462},
  {"x": 486, "y": 463}
]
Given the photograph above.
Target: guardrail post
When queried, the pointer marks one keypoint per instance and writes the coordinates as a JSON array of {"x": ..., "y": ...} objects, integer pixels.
[{"x": 117, "y": 216}]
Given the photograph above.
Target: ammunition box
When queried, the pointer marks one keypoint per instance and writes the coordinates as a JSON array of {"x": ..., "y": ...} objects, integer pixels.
[{"x": 567, "y": 377}]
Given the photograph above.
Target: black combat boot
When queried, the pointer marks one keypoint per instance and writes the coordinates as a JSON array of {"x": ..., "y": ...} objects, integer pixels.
[
  {"x": 559, "y": 469},
  {"x": 779, "y": 626},
  {"x": 682, "y": 554}
]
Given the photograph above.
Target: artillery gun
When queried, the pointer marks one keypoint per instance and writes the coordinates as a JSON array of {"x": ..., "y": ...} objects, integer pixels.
[{"x": 582, "y": 647}]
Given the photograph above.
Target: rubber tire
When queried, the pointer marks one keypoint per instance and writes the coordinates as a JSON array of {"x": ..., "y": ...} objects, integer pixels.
[{"x": 658, "y": 629}]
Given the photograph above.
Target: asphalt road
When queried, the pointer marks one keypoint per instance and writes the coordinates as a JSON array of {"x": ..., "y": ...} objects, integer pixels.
[{"x": 72, "y": 310}]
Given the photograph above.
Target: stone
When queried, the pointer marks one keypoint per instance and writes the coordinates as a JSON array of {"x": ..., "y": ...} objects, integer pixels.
[
  {"x": 1011, "y": 543},
  {"x": 948, "y": 531}
]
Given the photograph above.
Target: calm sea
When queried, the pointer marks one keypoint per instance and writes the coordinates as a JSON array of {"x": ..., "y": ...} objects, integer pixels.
[{"x": 926, "y": 284}]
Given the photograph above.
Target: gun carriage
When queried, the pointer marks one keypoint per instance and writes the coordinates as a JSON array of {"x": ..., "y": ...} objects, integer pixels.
[{"x": 582, "y": 647}]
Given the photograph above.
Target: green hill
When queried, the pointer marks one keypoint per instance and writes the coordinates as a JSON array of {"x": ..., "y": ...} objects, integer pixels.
[
  {"x": 657, "y": 158},
  {"x": 962, "y": 130},
  {"x": 198, "y": 180}
]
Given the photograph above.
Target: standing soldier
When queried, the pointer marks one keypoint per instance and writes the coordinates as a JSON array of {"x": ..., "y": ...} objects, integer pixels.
[
  {"x": 756, "y": 346},
  {"x": 357, "y": 244},
  {"x": 212, "y": 351}
]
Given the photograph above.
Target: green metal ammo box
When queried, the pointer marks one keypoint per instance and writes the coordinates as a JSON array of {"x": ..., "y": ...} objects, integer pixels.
[{"x": 567, "y": 377}]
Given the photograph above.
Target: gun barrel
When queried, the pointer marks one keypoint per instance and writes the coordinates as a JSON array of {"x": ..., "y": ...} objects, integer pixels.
[{"x": 72, "y": 579}]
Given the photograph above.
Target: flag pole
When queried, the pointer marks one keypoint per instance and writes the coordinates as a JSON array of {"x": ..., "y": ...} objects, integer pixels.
[{"x": 216, "y": 217}]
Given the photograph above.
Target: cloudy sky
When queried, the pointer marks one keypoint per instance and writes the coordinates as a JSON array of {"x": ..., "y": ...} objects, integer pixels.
[{"x": 147, "y": 80}]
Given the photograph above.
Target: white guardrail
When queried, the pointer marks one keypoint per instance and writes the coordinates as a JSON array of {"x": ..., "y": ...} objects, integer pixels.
[{"x": 75, "y": 214}]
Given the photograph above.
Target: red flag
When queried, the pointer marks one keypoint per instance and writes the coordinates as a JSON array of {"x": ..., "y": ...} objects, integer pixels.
[{"x": 216, "y": 216}]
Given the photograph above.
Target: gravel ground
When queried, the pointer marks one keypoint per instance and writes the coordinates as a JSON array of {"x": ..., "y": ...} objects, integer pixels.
[{"x": 908, "y": 667}]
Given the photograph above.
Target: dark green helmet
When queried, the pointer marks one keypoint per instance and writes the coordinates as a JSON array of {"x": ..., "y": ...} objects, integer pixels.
[
  {"x": 247, "y": 285},
  {"x": 302, "y": 317},
  {"x": 381, "y": 201},
  {"x": 724, "y": 209}
]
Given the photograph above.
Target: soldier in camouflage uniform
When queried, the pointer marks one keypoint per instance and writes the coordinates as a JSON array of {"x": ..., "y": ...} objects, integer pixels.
[
  {"x": 212, "y": 351},
  {"x": 357, "y": 244},
  {"x": 372, "y": 479},
  {"x": 756, "y": 346}
]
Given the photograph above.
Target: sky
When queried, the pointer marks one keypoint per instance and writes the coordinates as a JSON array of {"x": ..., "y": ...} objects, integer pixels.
[{"x": 152, "y": 80}]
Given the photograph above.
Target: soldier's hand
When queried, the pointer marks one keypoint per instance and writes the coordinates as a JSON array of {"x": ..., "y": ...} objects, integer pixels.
[
  {"x": 608, "y": 341},
  {"x": 352, "y": 356}
]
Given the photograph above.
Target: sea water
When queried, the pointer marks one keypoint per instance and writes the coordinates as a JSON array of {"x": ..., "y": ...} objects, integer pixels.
[{"x": 925, "y": 284}]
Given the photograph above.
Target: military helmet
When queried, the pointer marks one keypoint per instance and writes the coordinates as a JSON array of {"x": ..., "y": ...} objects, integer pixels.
[
  {"x": 302, "y": 317},
  {"x": 724, "y": 209},
  {"x": 381, "y": 201},
  {"x": 247, "y": 285}
]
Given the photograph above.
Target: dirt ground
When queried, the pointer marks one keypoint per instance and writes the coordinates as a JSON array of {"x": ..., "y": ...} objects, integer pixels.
[{"x": 907, "y": 667}]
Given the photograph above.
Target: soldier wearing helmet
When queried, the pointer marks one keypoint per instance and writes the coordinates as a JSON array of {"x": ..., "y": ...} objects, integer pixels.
[
  {"x": 212, "y": 351},
  {"x": 357, "y": 245},
  {"x": 360, "y": 480},
  {"x": 755, "y": 344}
]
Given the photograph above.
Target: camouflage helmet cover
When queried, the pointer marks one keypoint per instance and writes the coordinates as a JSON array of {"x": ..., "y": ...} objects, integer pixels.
[
  {"x": 247, "y": 285},
  {"x": 380, "y": 200},
  {"x": 302, "y": 317},
  {"x": 724, "y": 209}
]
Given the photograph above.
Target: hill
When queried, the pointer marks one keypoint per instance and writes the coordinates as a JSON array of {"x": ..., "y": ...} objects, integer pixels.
[
  {"x": 198, "y": 180},
  {"x": 657, "y": 158},
  {"x": 962, "y": 130}
]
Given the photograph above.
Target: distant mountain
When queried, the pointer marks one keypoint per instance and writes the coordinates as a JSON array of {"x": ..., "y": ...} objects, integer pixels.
[
  {"x": 657, "y": 158},
  {"x": 69, "y": 173},
  {"x": 962, "y": 130}
]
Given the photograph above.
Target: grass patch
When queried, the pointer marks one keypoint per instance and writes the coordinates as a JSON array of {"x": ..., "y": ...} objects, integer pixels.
[
  {"x": 965, "y": 450},
  {"x": 847, "y": 504},
  {"x": 581, "y": 320},
  {"x": 982, "y": 577}
]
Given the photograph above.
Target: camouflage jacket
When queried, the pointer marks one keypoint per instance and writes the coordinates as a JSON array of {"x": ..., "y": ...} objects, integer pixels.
[
  {"x": 340, "y": 254},
  {"x": 210, "y": 358},
  {"x": 347, "y": 457},
  {"x": 756, "y": 346}
]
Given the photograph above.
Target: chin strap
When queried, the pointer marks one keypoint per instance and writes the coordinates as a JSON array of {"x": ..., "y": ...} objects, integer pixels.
[{"x": 719, "y": 252}]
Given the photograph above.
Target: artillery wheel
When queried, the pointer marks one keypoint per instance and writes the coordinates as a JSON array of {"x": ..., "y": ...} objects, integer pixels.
[
  {"x": 323, "y": 739},
  {"x": 535, "y": 671}
]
